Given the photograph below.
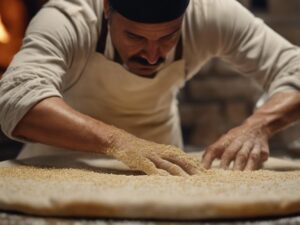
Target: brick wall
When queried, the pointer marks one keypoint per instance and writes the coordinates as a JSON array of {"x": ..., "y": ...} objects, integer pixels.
[{"x": 219, "y": 98}]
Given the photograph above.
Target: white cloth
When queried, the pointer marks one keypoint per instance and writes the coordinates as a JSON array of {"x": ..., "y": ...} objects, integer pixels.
[{"x": 62, "y": 37}]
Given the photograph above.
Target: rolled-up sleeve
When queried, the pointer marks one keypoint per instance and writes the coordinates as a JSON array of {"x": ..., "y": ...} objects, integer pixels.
[
  {"x": 37, "y": 71},
  {"x": 254, "y": 48},
  {"x": 229, "y": 31}
]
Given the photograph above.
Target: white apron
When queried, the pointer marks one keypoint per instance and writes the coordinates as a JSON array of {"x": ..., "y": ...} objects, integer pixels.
[{"x": 142, "y": 106}]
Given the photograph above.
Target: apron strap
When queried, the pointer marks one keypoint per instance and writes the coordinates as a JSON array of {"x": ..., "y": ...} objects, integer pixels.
[
  {"x": 179, "y": 49},
  {"x": 103, "y": 36}
]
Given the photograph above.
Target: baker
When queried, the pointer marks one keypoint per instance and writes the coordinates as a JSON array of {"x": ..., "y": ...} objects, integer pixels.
[{"x": 102, "y": 76}]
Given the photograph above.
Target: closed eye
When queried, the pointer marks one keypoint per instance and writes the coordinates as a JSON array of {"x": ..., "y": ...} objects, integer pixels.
[
  {"x": 170, "y": 36},
  {"x": 134, "y": 36}
]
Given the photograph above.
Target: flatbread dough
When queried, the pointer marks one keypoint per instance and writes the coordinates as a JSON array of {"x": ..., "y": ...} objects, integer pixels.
[{"x": 93, "y": 191}]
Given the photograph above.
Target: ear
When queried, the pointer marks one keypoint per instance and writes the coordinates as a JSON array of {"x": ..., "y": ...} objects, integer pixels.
[{"x": 106, "y": 8}]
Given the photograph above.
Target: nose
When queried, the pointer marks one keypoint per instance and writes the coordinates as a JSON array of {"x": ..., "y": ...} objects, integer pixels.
[{"x": 151, "y": 52}]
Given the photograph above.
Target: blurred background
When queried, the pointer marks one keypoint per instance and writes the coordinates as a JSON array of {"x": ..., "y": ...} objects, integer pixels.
[{"x": 217, "y": 99}]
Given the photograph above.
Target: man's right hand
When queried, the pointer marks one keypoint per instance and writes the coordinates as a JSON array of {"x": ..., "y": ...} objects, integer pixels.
[
  {"x": 53, "y": 122},
  {"x": 150, "y": 157}
]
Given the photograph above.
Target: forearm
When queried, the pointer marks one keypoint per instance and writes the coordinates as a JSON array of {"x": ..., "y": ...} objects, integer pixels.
[
  {"x": 53, "y": 122},
  {"x": 278, "y": 112}
]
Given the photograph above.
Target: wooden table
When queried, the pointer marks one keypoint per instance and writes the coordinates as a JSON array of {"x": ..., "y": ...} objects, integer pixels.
[{"x": 19, "y": 219}]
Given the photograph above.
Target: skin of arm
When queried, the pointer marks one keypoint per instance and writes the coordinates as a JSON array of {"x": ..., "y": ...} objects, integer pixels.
[
  {"x": 53, "y": 118},
  {"x": 247, "y": 145}
]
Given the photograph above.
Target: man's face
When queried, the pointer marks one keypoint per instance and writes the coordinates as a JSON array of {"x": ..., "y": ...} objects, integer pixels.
[{"x": 143, "y": 47}]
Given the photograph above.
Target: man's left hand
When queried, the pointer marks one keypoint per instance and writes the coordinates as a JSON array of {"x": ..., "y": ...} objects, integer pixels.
[{"x": 246, "y": 145}]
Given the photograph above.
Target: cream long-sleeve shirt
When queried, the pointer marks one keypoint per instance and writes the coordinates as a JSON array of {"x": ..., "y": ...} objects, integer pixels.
[{"x": 61, "y": 37}]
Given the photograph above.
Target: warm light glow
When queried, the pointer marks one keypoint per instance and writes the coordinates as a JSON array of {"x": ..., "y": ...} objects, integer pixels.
[{"x": 4, "y": 36}]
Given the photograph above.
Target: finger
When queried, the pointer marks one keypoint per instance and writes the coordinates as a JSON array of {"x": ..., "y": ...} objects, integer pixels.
[
  {"x": 265, "y": 153},
  {"x": 229, "y": 154},
  {"x": 149, "y": 168},
  {"x": 209, "y": 156},
  {"x": 215, "y": 151},
  {"x": 187, "y": 163},
  {"x": 254, "y": 159},
  {"x": 221, "y": 143},
  {"x": 162, "y": 172},
  {"x": 171, "y": 168},
  {"x": 242, "y": 156},
  {"x": 211, "y": 153}
]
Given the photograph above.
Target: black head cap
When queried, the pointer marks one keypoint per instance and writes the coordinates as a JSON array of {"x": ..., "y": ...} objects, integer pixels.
[{"x": 150, "y": 11}]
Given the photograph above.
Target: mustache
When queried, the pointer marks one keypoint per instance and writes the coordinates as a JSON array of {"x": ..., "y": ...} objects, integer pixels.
[{"x": 144, "y": 62}]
